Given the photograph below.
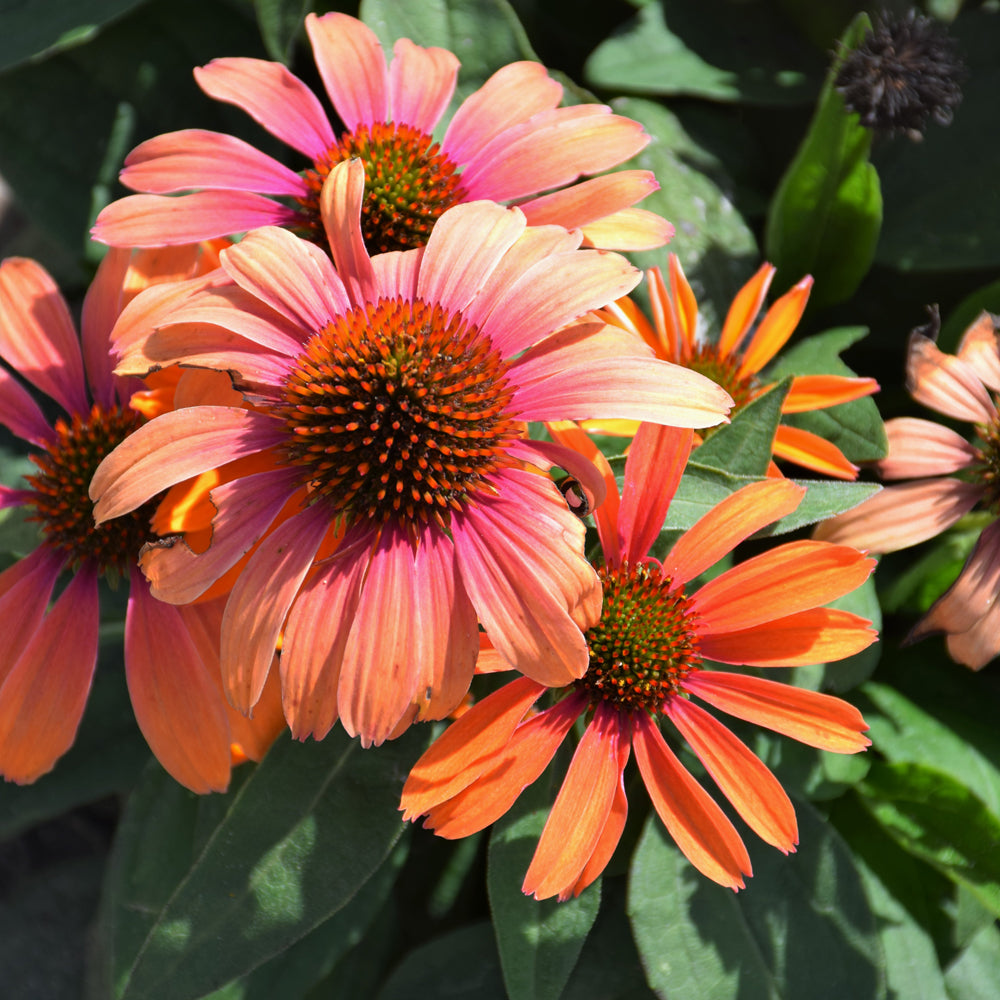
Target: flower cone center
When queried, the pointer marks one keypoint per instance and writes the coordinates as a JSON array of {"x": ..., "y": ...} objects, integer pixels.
[
  {"x": 62, "y": 504},
  {"x": 986, "y": 471},
  {"x": 724, "y": 371},
  {"x": 409, "y": 182},
  {"x": 397, "y": 410},
  {"x": 645, "y": 643}
]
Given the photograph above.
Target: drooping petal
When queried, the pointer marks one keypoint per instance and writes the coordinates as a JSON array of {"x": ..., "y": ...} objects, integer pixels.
[
  {"x": 352, "y": 65},
  {"x": 421, "y": 82},
  {"x": 817, "y": 392},
  {"x": 153, "y": 220},
  {"x": 793, "y": 577},
  {"x": 776, "y": 327},
  {"x": 340, "y": 205},
  {"x": 581, "y": 809},
  {"x": 653, "y": 470},
  {"x": 975, "y": 647},
  {"x": 520, "y": 762},
  {"x": 902, "y": 515},
  {"x": 545, "y": 455},
  {"x": 739, "y": 773},
  {"x": 812, "y": 452},
  {"x": 25, "y": 589},
  {"x": 921, "y": 448},
  {"x": 731, "y": 521},
  {"x": 260, "y": 601},
  {"x": 946, "y": 383},
  {"x": 744, "y": 309},
  {"x": 818, "y": 720},
  {"x": 175, "y": 447},
  {"x": 467, "y": 747},
  {"x": 698, "y": 826},
  {"x": 272, "y": 96},
  {"x": 510, "y": 96},
  {"x": 177, "y": 706},
  {"x": 44, "y": 694},
  {"x": 37, "y": 336},
  {"x": 19, "y": 412},
  {"x": 197, "y": 158},
  {"x": 819, "y": 635},
  {"x": 521, "y": 559},
  {"x": 980, "y": 347}
]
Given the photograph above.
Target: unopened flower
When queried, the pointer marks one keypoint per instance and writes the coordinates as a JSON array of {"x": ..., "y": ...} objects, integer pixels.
[
  {"x": 509, "y": 142},
  {"x": 648, "y": 663}
]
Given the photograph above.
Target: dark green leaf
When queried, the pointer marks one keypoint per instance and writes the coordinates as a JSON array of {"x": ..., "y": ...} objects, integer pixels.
[
  {"x": 539, "y": 941},
  {"x": 713, "y": 49},
  {"x": 976, "y": 972},
  {"x": 205, "y": 890},
  {"x": 823, "y": 499},
  {"x": 939, "y": 820},
  {"x": 802, "y": 927},
  {"x": 826, "y": 214}
]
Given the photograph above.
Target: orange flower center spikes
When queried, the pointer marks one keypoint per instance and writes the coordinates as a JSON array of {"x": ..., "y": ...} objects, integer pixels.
[
  {"x": 723, "y": 371},
  {"x": 408, "y": 184},
  {"x": 63, "y": 507},
  {"x": 645, "y": 643},
  {"x": 398, "y": 410}
]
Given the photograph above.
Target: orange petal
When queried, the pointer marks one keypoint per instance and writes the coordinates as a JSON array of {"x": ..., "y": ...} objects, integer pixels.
[
  {"x": 581, "y": 810},
  {"x": 669, "y": 341},
  {"x": 812, "y": 452},
  {"x": 729, "y": 522},
  {"x": 684, "y": 300},
  {"x": 817, "y": 392},
  {"x": 818, "y": 720},
  {"x": 739, "y": 773},
  {"x": 692, "y": 817},
  {"x": 744, "y": 309},
  {"x": 776, "y": 327}
]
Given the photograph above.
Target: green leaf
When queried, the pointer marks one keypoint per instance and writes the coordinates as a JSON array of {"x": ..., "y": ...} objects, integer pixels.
[
  {"x": 856, "y": 428},
  {"x": 826, "y": 214},
  {"x": 802, "y": 928},
  {"x": 462, "y": 965},
  {"x": 722, "y": 51},
  {"x": 33, "y": 29},
  {"x": 975, "y": 973},
  {"x": 714, "y": 242},
  {"x": 539, "y": 941},
  {"x": 922, "y": 581},
  {"x": 939, "y": 820},
  {"x": 823, "y": 499},
  {"x": 202, "y": 891},
  {"x": 280, "y": 23}
]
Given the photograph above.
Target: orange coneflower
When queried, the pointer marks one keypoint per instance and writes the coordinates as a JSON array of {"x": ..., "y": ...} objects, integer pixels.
[{"x": 648, "y": 657}]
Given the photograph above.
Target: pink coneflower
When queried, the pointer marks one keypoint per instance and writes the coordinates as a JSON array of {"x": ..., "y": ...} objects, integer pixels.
[
  {"x": 647, "y": 663},
  {"x": 48, "y": 657},
  {"x": 388, "y": 399},
  {"x": 954, "y": 476},
  {"x": 508, "y": 142}
]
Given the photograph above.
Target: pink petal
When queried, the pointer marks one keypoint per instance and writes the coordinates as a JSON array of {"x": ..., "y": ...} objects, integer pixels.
[
  {"x": 466, "y": 244},
  {"x": 698, "y": 826},
  {"x": 196, "y": 158},
  {"x": 639, "y": 388},
  {"x": 729, "y": 522},
  {"x": 946, "y": 383},
  {"x": 581, "y": 809},
  {"x": 521, "y": 558},
  {"x": 590, "y": 200},
  {"x": 653, "y": 470},
  {"x": 316, "y": 636},
  {"x": 19, "y": 412},
  {"x": 246, "y": 508},
  {"x": 509, "y": 97},
  {"x": 396, "y": 273},
  {"x": 545, "y": 455},
  {"x": 290, "y": 275},
  {"x": 739, "y": 773},
  {"x": 177, "y": 706},
  {"x": 922, "y": 448},
  {"x": 975, "y": 647},
  {"x": 101, "y": 309},
  {"x": 272, "y": 96},
  {"x": 980, "y": 348},
  {"x": 553, "y": 148},
  {"x": 340, "y": 204},
  {"x": 44, "y": 694},
  {"x": 903, "y": 515},
  {"x": 25, "y": 590},
  {"x": 629, "y": 229},
  {"x": 153, "y": 220},
  {"x": 421, "y": 82},
  {"x": 352, "y": 65},
  {"x": 260, "y": 602},
  {"x": 37, "y": 336},
  {"x": 175, "y": 447}
]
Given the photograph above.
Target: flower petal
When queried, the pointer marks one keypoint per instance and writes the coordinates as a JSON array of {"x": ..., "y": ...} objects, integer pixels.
[
  {"x": 776, "y": 327},
  {"x": 25, "y": 590},
  {"x": 744, "y": 309},
  {"x": 818, "y": 720},
  {"x": 421, "y": 82},
  {"x": 19, "y": 412},
  {"x": 698, "y": 826},
  {"x": 628, "y": 229},
  {"x": 812, "y": 452},
  {"x": 817, "y": 392},
  {"x": 545, "y": 455},
  {"x": 980, "y": 347},
  {"x": 946, "y": 383},
  {"x": 920, "y": 448},
  {"x": 340, "y": 205},
  {"x": 978, "y": 645}
]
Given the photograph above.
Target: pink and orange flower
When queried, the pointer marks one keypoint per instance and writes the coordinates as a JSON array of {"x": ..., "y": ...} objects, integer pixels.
[
  {"x": 388, "y": 396},
  {"x": 49, "y": 656},
  {"x": 950, "y": 476},
  {"x": 737, "y": 363},
  {"x": 508, "y": 142},
  {"x": 647, "y": 660}
]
